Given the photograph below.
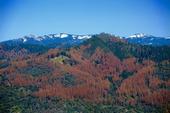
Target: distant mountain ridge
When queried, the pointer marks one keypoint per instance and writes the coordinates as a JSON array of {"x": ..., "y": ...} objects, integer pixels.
[
  {"x": 61, "y": 40},
  {"x": 49, "y": 39},
  {"x": 145, "y": 39},
  {"x": 65, "y": 40}
]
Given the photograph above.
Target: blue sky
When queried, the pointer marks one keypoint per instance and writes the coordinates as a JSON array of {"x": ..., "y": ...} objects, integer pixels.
[{"x": 120, "y": 17}]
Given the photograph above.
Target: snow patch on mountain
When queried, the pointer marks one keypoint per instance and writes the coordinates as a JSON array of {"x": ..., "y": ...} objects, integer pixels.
[
  {"x": 84, "y": 37},
  {"x": 56, "y": 35},
  {"x": 24, "y": 39},
  {"x": 63, "y": 35},
  {"x": 139, "y": 35}
]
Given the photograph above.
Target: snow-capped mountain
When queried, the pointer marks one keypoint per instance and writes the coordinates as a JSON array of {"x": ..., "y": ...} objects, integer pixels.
[
  {"x": 145, "y": 39},
  {"x": 53, "y": 37},
  {"x": 61, "y": 39}
]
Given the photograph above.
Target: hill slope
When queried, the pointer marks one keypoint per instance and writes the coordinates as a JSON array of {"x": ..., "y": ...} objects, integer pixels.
[{"x": 104, "y": 74}]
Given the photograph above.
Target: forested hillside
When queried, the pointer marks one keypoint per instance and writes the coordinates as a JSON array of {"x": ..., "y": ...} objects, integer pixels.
[{"x": 104, "y": 74}]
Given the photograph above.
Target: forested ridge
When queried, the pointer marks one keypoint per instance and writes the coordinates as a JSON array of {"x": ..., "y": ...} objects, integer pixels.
[{"x": 104, "y": 74}]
